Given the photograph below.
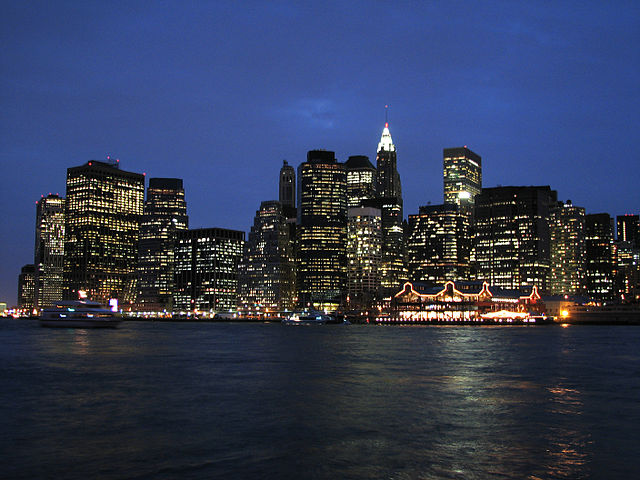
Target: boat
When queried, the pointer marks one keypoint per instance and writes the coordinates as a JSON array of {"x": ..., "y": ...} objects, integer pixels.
[
  {"x": 312, "y": 317},
  {"x": 79, "y": 314}
]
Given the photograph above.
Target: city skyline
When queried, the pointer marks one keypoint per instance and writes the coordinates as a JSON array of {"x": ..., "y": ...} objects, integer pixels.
[{"x": 553, "y": 106}]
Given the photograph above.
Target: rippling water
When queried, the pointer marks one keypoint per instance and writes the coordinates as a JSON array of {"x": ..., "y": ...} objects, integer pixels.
[{"x": 167, "y": 400}]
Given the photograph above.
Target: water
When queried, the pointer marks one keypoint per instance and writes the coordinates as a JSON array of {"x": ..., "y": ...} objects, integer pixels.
[{"x": 167, "y": 400}]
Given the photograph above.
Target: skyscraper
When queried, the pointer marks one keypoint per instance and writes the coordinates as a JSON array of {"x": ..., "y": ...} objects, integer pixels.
[
  {"x": 49, "y": 250},
  {"x": 364, "y": 256},
  {"x": 361, "y": 180},
  {"x": 322, "y": 231},
  {"x": 629, "y": 229},
  {"x": 27, "y": 287},
  {"x": 287, "y": 185},
  {"x": 267, "y": 273},
  {"x": 600, "y": 257},
  {"x": 165, "y": 213},
  {"x": 102, "y": 223},
  {"x": 206, "y": 270},
  {"x": 389, "y": 190},
  {"x": 566, "y": 230},
  {"x": 438, "y": 244},
  {"x": 512, "y": 241},
  {"x": 462, "y": 177}
]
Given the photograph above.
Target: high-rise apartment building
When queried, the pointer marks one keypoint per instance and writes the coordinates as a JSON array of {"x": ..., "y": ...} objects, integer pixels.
[
  {"x": 512, "y": 240},
  {"x": 27, "y": 287},
  {"x": 361, "y": 180},
  {"x": 165, "y": 214},
  {"x": 102, "y": 224},
  {"x": 567, "y": 249},
  {"x": 438, "y": 245},
  {"x": 322, "y": 231},
  {"x": 389, "y": 191},
  {"x": 267, "y": 272},
  {"x": 599, "y": 257},
  {"x": 627, "y": 271},
  {"x": 629, "y": 229},
  {"x": 364, "y": 256},
  {"x": 49, "y": 250},
  {"x": 462, "y": 177},
  {"x": 206, "y": 270}
]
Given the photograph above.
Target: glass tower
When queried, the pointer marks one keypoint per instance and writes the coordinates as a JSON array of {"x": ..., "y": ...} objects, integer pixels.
[
  {"x": 566, "y": 229},
  {"x": 462, "y": 170},
  {"x": 49, "y": 250},
  {"x": 165, "y": 213}
]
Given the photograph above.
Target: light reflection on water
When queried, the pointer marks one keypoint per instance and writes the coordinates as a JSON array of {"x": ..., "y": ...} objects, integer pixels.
[{"x": 162, "y": 400}]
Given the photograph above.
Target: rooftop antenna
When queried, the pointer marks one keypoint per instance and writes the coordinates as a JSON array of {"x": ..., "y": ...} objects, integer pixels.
[{"x": 386, "y": 115}]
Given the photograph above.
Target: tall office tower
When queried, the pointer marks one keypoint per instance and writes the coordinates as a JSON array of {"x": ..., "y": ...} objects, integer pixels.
[
  {"x": 438, "y": 245},
  {"x": 389, "y": 191},
  {"x": 629, "y": 229},
  {"x": 267, "y": 273},
  {"x": 364, "y": 256},
  {"x": 361, "y": 180},
  {"x": 322, "y": 231},
  {"x": 512, "y": 235},
  {"x": 567, "y": 249},
  {"x": 462, "y": 177},
  {"x": 165, "y": 213},
  {"x": 599, "y": 257},
  {"x": 49, "y": 251},
  {"x": 287, "y": 185},
  {"x": 206, "y": 270},
  {"x": 27, "y": 287},
  {"x": 627, "y": 271},
  {"x": 102, "y": 224}
]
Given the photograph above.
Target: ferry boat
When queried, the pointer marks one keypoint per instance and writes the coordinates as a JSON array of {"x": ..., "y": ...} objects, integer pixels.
[
  {"x": 312, "y": 317},
  {"x": 79, "y": 314}
]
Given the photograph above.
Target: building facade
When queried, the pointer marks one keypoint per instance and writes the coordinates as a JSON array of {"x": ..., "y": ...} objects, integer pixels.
[
  {"x": 27, "y": 287},
  {"x": 49, "y": 250},
  {"x": 361, "y": 180},
  {"x": 102, "y": 224},
  {"x": 287, "y": 185},
  {"x": 438, "y": 244},
  {"x": 165, "y": 214},
  {"x": 511, "y": 239},
  {"x": 267, "y": 272},
  {"x": 599, "y": 257},
  {"x": 389, "y": 192},
  {"x": 364, "y": 257},
  {"x": 628, "y": 227},
  {"x": 322, "y": 231},
  {"x": 206, "y": 270},
  {"x": 567, "y": 254},
  {"x": 462, "y": 171}
]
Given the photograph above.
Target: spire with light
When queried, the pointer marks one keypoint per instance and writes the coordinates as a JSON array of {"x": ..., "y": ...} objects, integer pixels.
[{"x": 386, "y": 143}]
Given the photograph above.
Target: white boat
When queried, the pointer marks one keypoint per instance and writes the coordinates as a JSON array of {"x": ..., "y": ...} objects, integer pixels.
[
  {"x": 79, "y": 314},
  {"x": 312, "y": 317}
]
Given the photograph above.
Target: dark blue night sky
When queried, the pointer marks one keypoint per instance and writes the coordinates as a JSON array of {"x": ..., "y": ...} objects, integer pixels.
[{"x": 219, "y": 93}]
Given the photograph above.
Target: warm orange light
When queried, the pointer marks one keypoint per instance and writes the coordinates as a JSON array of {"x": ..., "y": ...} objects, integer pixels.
[{"x": 564, "y": 313}]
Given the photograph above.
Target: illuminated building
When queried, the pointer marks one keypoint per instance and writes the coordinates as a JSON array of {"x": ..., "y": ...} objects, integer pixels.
[
  {"x": 462, "y": 170},
  {"x": 364, "y": 256},
  {"x": 27, "y": 287},
  {"x": 389, "y": 191},
  {"x": 49, "y": 250},
  {"x": 102, "y": 224},
  {"x": 206, "y": 270},
  {"x": 627, "y": 271},
  {"x": 629, "y": 228},
  {"x": 600, "y": 257},
  {"x": 438, "y": 244},
  {"x": 511, "y": 239},
  {"x": 567, "y": 249},
  {"x": 165, "y": 213},
  {"x": 361, "y": 180},
  {"x": 464, "y": 302},
  {"x": 267, "y": 273},
  {"x": 287, "y": 185},
  {"x": 322, "y": 231}
]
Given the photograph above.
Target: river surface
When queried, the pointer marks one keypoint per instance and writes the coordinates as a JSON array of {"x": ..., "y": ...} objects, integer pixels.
[{"x": 155, "y": 400}]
